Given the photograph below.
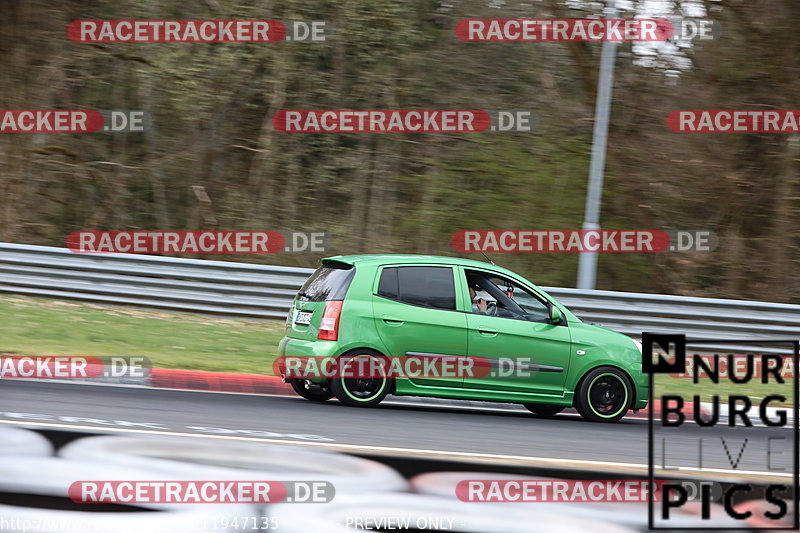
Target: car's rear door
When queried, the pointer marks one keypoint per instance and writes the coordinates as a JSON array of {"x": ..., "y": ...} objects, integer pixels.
[{"x": 415, "y": 315}]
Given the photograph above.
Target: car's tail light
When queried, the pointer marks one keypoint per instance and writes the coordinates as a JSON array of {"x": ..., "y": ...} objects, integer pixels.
[{"x": 329, "y": 326}]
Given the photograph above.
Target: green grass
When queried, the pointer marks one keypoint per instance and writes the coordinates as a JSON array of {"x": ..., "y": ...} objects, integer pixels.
[{"x": 41, "y": 326}]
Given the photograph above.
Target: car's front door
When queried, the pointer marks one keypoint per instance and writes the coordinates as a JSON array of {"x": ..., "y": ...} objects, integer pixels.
[
  {"x": 415, "y": 314},
  {"x": 510, "y": 326}
]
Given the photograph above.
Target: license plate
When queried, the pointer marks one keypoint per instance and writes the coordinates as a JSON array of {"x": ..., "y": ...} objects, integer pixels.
[{"x": 303, "y": 318}]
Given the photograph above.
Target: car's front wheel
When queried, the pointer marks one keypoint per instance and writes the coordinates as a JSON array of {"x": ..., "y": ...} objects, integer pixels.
[
  {"x": 604, "y": 395},
  {"x": 357, "y": 388},
  {"x": 316, "y": 392},
  {"x": 545, "y": 411}
]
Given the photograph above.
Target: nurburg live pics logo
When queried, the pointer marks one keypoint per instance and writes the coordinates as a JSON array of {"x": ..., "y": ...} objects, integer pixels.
[{"x": 780, "y": 503}]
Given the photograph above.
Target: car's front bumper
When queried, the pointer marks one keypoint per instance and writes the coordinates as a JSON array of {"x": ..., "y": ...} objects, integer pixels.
[{"x": 642, "y": 392}]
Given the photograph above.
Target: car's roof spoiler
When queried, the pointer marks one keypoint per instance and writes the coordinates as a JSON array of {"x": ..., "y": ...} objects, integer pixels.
[{"x": 335, "y": 262}]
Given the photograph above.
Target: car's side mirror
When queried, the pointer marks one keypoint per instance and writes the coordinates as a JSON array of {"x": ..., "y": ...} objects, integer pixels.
[{"x": 555, "y": 315}]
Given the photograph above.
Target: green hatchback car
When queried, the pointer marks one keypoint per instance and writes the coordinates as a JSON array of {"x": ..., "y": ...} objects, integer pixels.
[{"x": 530, "y": 349}]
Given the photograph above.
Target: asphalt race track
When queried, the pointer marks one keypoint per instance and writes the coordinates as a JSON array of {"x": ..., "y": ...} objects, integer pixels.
[{"x": 408, "y": 429}]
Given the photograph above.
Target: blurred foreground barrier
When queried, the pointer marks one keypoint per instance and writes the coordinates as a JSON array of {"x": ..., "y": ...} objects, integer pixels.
[
  {"x": 15, "y": 441},
  {"x": 264, "y": 291},
  {"x": 34, "y": 497},
  {"x": 225, "y": 459}
]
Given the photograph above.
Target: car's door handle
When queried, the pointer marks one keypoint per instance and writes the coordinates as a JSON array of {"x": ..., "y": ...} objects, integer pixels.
[
  {"x": 392, "y": 321},
  {"x": 487, "y": 332}
]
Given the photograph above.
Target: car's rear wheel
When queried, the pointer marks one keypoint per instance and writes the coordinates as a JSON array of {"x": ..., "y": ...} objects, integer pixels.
[
  {"x": 357, "y": 389},
  {"x": 316, "y": 392},
  {"x": 604, "y": 395},
  {"x": 545, "y": 411}
]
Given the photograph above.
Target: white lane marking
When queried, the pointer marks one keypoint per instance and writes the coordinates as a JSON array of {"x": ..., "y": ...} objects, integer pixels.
[
  {"x": 146, "y": 387},
  {"x": 38, "y": 417},
  {"x": 419, "y": 451}
]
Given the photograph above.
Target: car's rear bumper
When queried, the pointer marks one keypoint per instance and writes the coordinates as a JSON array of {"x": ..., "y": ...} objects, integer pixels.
[{"x": 291, "y": 347}]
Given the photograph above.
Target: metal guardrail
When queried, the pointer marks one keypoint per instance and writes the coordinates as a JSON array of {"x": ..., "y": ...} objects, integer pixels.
[
  {"x": 264, "y": 291},
  {"x": 192, "y": 285}
]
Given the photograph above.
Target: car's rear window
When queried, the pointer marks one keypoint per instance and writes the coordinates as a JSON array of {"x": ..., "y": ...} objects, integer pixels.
[
  {"x": 424, "y": 286},
  {"x": 328, "y": 282}
]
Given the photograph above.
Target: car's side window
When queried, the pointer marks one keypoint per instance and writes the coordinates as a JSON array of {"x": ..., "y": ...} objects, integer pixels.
[
  {"x": 417, "y": 285},
  {"x": 494, "y": 295},
  {"x": 387, "y": 286}
]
